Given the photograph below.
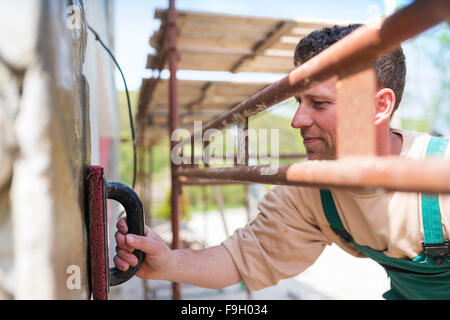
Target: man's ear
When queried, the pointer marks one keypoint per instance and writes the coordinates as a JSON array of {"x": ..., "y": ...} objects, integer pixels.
[{"x": 384, "y": 105}]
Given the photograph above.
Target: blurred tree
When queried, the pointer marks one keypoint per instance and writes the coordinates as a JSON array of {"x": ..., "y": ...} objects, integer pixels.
[
  {"x": 428, "y": 77},
  {"x": 440, "y": 105},
  {"x": 164, "y": 211}
]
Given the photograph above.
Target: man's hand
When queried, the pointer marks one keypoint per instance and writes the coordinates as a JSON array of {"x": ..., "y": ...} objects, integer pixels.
[
  {"x": 158, "y": 257},
  {"x": 209, "y": 268}
]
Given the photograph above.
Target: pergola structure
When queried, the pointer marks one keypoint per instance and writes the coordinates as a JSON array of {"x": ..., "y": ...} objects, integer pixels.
[{"x": 265, "y": 44}]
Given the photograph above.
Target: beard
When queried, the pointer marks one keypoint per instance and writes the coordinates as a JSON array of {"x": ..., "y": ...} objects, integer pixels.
[{"x": 322, "y": 150}]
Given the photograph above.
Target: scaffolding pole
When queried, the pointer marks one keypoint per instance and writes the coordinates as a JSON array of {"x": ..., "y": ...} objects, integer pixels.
[{"x": 174, "y": 124}]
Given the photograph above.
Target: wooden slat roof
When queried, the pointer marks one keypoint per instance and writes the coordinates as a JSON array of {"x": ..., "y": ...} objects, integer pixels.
[
  {"x": 198, "y": 100},
  {"x": 216, "y": 42}
]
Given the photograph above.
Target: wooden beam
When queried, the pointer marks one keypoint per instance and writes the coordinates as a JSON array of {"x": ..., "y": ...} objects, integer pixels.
[{"x": 272, "y": 37}]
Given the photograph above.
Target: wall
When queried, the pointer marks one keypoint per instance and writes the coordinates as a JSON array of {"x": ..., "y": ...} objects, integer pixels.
[{"x": 45, "y": 144}]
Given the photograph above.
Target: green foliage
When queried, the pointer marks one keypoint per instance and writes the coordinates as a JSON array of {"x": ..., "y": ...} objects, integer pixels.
[
  {"x": 434, "y": 46},
  {"x": 124, "y": 118},
  {"x": 160, "y": 160},
  {"x": 441, "y": 60},
  {"x": 164, "y": 211},
  {"x": 160, "y": 153},
  {"x": 126, "y": 148},
  {"x": 290, "y": 139},
  {"x": 126, "y": 163},
  {"x": 202, "y": 198},
  {"x": 421, "y": 125}
]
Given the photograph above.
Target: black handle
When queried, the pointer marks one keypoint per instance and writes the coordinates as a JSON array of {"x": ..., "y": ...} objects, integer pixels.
[{"x": 135, "y": 221}]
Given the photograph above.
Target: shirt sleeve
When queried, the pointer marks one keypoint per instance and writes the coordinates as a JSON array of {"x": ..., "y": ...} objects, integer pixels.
[{"x": 281, "y": 242}]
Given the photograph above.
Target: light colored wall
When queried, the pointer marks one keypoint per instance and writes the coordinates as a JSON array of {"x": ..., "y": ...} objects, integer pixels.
[{"x": 44, "y": 147}]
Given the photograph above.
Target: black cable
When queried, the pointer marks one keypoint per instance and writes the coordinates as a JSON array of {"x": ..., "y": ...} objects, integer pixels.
[{"x": 97, "y": 37}]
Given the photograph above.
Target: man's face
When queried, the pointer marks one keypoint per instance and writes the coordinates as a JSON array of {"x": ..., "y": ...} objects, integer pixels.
[{"x": 316, "y": 119}]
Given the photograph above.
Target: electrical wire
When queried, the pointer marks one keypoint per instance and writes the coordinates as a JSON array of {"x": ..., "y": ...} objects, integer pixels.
[{"x": 97, "y": 37}]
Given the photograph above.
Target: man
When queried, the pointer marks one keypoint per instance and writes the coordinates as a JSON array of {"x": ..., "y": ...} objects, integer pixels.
[{"x": 296, "y": 223}]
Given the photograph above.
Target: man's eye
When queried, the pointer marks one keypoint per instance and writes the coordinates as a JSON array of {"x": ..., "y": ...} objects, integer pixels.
[{"x": 319, "y": 103}]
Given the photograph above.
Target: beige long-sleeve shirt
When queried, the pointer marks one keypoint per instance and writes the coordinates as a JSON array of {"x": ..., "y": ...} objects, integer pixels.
[{"x": 291, "y": 230}]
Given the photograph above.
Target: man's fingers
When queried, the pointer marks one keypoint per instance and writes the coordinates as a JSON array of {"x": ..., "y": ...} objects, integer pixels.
[
  {"x": 122, "y": 225},
  {"x": 150, "y": 243},
  {"x": 120, "y": 264},
  {"x": 127, "y": 257},
  {"x": 145, "y": 244},
  {"x": 121, "y": 243}
]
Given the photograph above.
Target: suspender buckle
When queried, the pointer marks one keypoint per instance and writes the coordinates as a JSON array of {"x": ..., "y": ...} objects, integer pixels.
[{"x": 437, "y": 251}]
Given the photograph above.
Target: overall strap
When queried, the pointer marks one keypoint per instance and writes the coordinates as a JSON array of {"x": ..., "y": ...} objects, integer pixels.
[
  {"x": 433, "y": 237},
  {"x": 332, "y": 215},
  {"x": 434, "y": 243}
]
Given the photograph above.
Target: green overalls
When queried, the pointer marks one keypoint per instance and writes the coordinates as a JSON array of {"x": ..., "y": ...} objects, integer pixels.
[{"x": 428, "y": 275}]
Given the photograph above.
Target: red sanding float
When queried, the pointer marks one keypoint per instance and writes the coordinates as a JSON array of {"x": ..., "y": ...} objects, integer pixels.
[{"x": 98, "y": 190}]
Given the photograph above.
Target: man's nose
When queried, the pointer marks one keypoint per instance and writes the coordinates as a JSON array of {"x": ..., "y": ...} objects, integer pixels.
[{"x": 301, "y": 119}]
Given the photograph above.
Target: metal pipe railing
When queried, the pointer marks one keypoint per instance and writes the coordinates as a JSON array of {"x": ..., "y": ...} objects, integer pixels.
[
  {"x": 390, "y": 173},
  {"x": 287, "y": 156}
]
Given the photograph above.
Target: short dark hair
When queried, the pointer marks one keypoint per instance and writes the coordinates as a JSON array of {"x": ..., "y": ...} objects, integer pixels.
[{"x": 390, "y": 68}]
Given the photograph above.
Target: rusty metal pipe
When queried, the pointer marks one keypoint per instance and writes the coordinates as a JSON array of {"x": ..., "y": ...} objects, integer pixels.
[
  {"x": 390, "y": 173},
  {"x": 173, "y": 125},
  {"x": 195, "y": 181},
  {"x": 257, "y": 157}
]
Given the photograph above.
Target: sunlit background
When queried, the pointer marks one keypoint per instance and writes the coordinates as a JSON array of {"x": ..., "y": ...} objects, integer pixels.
[{"x": 425, "y": 104}]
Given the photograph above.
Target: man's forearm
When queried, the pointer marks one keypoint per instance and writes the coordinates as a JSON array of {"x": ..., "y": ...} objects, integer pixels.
[{"x": 209, "y": 268}]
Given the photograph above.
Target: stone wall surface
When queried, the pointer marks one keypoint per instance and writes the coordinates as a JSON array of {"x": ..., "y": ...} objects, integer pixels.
[{"x": 44, "y": 147}]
